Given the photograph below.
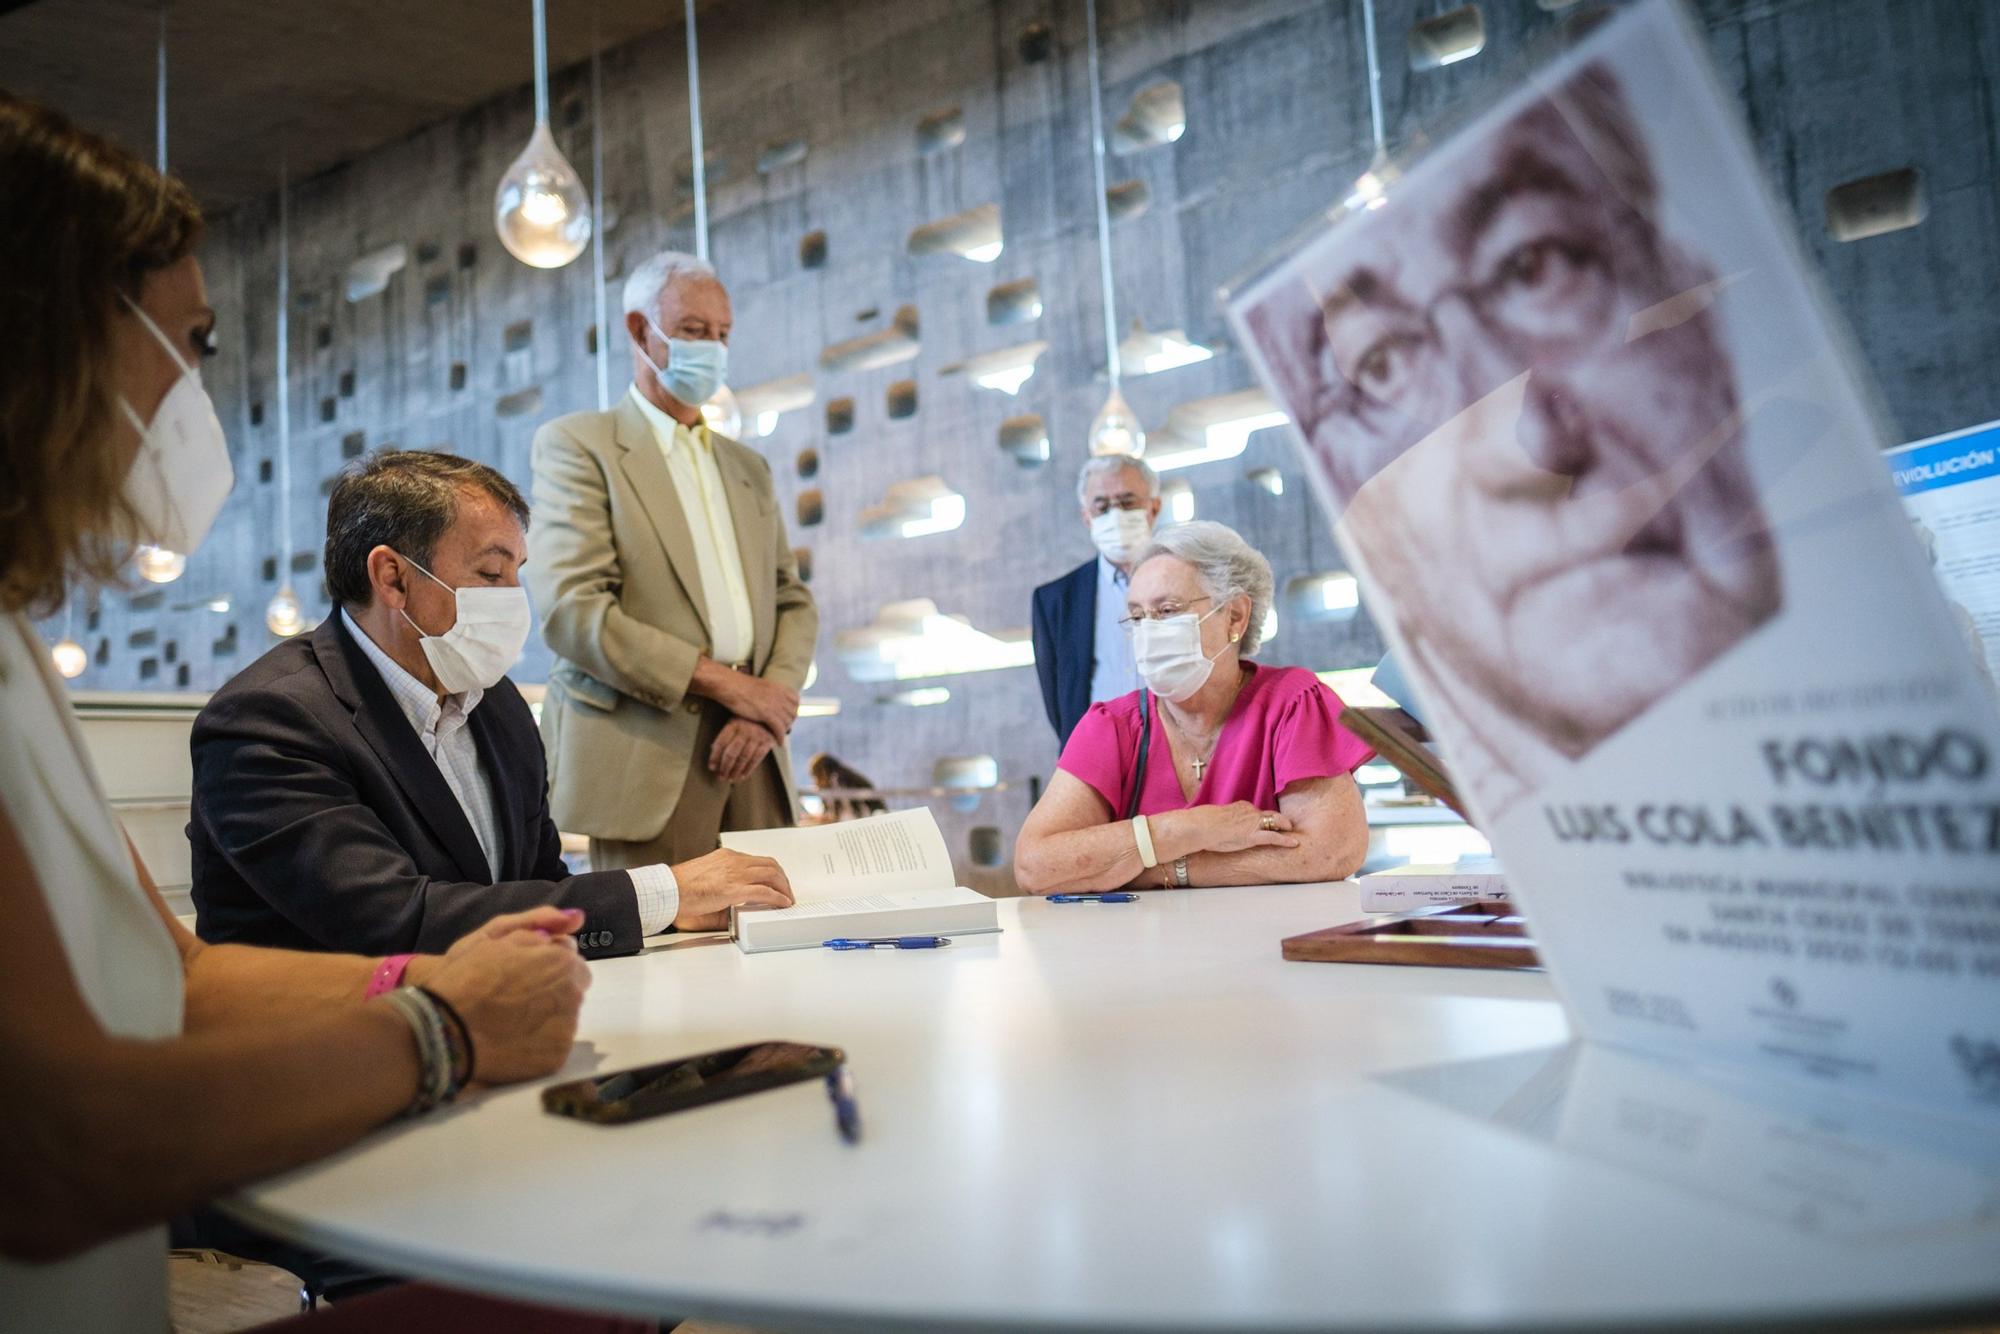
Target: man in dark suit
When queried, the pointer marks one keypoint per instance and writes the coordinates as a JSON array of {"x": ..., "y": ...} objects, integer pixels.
[
  {"x": 1082, "y": 653},
  {"x": 378, "y": 786}
]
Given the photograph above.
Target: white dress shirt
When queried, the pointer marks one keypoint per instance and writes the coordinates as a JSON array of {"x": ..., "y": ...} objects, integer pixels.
[
  {"x": 1112, "y": 675},
  {"x": 441, "y": 726},
  {"x": 690, "y": 456}
]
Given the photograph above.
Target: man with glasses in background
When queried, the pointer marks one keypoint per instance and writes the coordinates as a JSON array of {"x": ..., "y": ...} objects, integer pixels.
[{"x": 1082, "y": 655}]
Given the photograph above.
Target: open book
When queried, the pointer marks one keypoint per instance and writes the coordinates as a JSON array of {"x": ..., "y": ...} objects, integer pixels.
[{"x": 887, "y": 875}]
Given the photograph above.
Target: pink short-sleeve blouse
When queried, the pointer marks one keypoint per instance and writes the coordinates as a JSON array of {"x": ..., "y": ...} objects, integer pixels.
[{"x": 1283, "y": 728}]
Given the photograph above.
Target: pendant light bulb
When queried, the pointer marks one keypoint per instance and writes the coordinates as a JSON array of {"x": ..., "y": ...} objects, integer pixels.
[
  {"x": 1116, "y": 429},
  {"x": 157, "y": 565},
  {"x": 70, "y": 658},
  {"x": 284, "y": 617},
  {"x": 541, "y": 210},
  {"x": 723, "y": 414}
]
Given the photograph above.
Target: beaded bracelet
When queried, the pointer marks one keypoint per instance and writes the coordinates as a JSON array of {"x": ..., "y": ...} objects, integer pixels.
[
  {"x": 439, "y": 1079},
  {"x": 460, "y": 1035}
]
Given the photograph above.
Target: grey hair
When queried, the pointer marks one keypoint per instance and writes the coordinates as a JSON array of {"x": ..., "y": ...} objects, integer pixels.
[
  {"x": 645, "y": 283},
  {"x": 1225, "y": 564},
  {"x": 1104, "y": 465}
]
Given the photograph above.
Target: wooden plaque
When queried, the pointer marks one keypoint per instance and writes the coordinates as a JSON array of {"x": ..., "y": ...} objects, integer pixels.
[
  {"x": 1399, "y": 739},
  {"x": 1487, "y": 934}
]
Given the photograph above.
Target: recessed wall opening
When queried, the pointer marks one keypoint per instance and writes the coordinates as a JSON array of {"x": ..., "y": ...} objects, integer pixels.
[
  {"x": 803, "y": 558},
  {"x": 973, "y": 234},
  {"x": 1156, "y": 116},
  {"x": 917, "y": 507},
  {"x": 457, "y": 378},
  {"x": 369, "y": 274},
  {"x": 519, "y": 403},
  {"x": 1018, "y": 302},
  {"x": 812, "y": 250},
  {"x": 808, "y": 463},
  {"x": 264, "y": 470},
  {"x": 518, "y": 336},
  {"x": 811, "y": 507},
  {"x": 1324, "y": 595},
  {"x": 329, "y": 408},
  {"x": 784, "y": 153},
  {"x": 944, "y": 128},
  {"x": 839, "y": 416},
  {"x": 257, "y": 412},
  {"x": 1026, "y": 439},
  {"x": 1876, "y": 205},
  {"x": 1127, "y": 200},
  {"x": 1455, "y": 35},
  {"x": 437, "y": 290},
  {"x": 352, "y": 444},
  {"x": 891, "y": 346},
  {"x": 985, "y": 846},
  {"x": 468, "y": 255},
  {"x": 302, "y": 561},
  {"x": 347, "y": 384},
  {"x": 590, "y": 341},
  {"x": 901, "y": 400},
  {"x": 1036, "y": 43}
]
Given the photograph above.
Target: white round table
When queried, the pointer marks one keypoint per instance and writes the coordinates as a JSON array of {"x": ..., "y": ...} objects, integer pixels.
[{"x": 1121, "y": 1117}]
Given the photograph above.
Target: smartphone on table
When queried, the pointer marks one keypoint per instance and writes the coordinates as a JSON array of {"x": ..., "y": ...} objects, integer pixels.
[{"x": 673, "y": 1086}]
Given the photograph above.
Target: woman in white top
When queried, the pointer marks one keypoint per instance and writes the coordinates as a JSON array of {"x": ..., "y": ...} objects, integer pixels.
[{"x": 142, "y": 1072}]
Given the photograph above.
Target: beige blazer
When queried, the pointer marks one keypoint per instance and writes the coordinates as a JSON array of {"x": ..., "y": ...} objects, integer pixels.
[{"x": 612, "y": 570}]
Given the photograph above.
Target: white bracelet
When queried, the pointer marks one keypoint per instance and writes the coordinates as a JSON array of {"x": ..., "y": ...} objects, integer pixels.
[{"x": 1143, "y": 836}]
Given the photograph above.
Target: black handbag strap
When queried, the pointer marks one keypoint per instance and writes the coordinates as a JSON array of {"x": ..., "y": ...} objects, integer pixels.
[{"x": 1145, "y": 744}]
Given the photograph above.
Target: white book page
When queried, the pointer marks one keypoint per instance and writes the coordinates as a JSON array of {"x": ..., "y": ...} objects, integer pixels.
[{"x": 901, "y": 850}]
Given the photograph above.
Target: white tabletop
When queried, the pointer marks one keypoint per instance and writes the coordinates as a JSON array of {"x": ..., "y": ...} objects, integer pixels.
[{"x": 1116, "y": 1117}]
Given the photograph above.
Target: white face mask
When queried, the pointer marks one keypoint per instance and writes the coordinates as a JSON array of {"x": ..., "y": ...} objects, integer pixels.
[
  {"x": 493, "y": 624},
  {"x": 1121, "y": 534},
  {"x": 1169, "y": 657},
  {"x": 181, "y": 474}
]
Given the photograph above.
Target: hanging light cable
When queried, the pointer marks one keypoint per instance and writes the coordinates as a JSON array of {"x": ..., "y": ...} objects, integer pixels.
[
  {"x": 284, "y": 617},
  {"x": 597, "y": 211},
  {"x": 722, "y": 413},
  {"x": 1115, "y": 430},
  {"x": 1370, "y": 191},
  {"x": 539, "y": 209},
  {"x": 157, "y": 564}
]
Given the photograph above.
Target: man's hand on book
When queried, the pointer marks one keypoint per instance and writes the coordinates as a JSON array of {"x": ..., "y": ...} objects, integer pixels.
[{"x": 712, "y": 885}]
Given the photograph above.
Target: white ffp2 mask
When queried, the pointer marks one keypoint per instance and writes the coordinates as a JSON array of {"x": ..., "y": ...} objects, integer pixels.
[
  {"x": 181, "y": 474},
  {"x": 486, "y": 640}
]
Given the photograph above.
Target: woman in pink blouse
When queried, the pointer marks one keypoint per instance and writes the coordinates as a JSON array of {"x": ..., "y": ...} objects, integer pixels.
[{"x": 1244, "y": 776}]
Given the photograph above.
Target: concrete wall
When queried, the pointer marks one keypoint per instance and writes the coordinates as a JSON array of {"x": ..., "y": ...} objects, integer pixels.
[{"x": 1277, "y": 121}]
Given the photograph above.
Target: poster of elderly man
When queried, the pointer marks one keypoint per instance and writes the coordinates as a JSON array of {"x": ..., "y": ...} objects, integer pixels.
[{"x": 1610, "y": 478}]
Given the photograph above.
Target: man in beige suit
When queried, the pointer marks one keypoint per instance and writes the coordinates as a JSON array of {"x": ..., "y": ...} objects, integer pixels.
[{"x": 671, "y": 600}]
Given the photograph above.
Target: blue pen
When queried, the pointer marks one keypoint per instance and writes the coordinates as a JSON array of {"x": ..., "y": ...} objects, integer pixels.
[
  {"x": 846, "y": 1111},
  {"x": 1119, "y": 897},
  {"x": 887, "y": 942}
]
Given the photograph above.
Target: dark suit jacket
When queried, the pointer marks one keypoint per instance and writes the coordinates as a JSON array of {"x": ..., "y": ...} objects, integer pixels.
[
  {"x": 1066, "y": 645},
  {"x": 321, "y": 823}
]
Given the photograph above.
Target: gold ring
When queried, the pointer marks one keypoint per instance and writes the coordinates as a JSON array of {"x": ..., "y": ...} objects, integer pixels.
[{"x": 1270, "y": 822}]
